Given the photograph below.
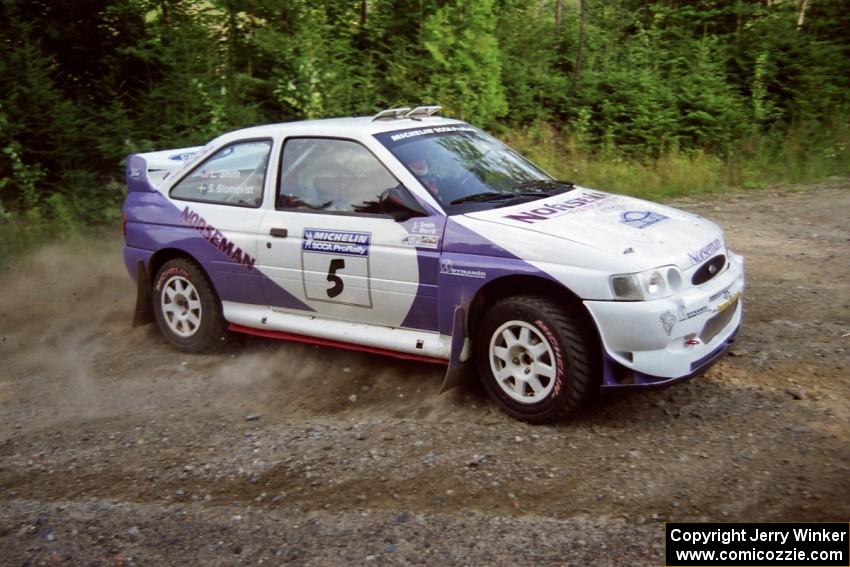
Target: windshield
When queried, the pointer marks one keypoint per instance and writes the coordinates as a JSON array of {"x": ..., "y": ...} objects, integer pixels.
[{"x": 465, "y": 169}]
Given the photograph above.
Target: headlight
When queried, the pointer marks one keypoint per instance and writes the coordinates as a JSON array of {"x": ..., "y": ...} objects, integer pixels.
[{"x": 656, "y": 283}]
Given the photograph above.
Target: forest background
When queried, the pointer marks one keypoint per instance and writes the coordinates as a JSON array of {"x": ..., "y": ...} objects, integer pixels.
[{"x": 645, "y": 98}]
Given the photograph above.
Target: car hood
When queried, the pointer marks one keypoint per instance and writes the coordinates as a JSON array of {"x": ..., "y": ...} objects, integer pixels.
[{"x": 641, "y": 232}]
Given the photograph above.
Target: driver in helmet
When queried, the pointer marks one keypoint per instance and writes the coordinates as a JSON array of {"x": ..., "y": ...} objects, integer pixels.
[{"x": 420, "y": 169}]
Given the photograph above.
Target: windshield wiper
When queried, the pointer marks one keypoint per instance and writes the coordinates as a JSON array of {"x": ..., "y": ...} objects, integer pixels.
[
  {"x": 550, "y": 186},
  {"x": 484, "y": 197},
  {"x": 534, "y": 189}
]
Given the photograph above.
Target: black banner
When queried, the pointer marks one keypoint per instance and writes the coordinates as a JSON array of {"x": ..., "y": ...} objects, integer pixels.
[{"x": 758, "y": 544}]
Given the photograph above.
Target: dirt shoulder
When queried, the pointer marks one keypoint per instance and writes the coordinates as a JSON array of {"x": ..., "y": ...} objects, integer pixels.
[{"x": 115, "y": 448}]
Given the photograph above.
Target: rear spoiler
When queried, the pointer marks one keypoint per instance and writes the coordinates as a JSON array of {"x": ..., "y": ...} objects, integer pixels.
[{"x": 146, "y": 171}]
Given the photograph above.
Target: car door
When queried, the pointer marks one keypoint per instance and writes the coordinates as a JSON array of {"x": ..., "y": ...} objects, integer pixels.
[{"x": 329, "y": 243}]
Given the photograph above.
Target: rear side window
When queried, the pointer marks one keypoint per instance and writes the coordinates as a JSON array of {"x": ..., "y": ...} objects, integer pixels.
[
  {"x": 234, "y": 175},
  {"x": 321, "y": 174}
]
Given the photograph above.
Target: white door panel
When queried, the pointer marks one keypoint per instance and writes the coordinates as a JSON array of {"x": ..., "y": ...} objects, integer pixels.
[{"x": 350, "y": 267}]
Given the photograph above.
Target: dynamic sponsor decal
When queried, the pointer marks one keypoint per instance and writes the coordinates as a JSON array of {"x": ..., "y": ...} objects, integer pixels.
[
  {"x": 641, "y": 219},
  {"x": 668, "y": 321},
  {"x": 699, "y": 255},
  {"x": 217, "y": 239},
  {"x": 425, "y": 131},
  {"x": 447, "y": 267},
  {"x": 558, "y": 208},
  {"x": 336, "y": 242},
  {"x": 685, "y": 315},
  {"x": 135, "y": 173},
  {"x": 422, "y": 240}
]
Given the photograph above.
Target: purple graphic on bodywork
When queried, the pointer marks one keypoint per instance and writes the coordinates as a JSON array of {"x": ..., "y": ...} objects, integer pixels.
[
  {"x": 154, "y": 223},
  {"x": 469, "y": 262},
  {"x": 423, "y": 312}
]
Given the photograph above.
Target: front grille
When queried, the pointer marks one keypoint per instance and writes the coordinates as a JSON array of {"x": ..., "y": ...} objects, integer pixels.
[
  {"x": 708, "y": 270},
  {"x": 717, "y": 323}
]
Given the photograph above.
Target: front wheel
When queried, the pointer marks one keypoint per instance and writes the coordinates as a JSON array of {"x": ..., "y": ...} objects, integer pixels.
[
  {"x": 186, "y": 309},
  {"x": 533, "y": 359}
]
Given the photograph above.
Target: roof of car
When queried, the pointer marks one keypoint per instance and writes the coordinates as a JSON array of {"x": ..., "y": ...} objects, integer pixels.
[{"x": 343, "y": 127}]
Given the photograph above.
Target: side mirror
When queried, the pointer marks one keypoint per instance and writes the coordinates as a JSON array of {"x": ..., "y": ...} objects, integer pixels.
[{"x": 400, "y": 204}]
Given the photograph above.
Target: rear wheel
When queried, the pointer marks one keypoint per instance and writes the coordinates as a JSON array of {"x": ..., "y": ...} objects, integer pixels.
[
  {"x": 186, "y": 308},
  {"x": 533, "y": 359}
]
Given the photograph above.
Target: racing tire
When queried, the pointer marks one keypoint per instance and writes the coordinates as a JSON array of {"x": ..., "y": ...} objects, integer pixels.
[
  {"x": 187, "y": 309},
  {"x": 533, "y": 359}
]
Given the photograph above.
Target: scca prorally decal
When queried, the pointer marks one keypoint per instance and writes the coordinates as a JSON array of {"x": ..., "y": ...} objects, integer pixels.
[
  {"x": 641, "y": 219},
  {"x": 558, "y": 208},
  {"x": 217, "y": 239},
  {"x": 447, "y": 267},
  {"x": 336, "y": 242},
  {"x": 697, "y": 256}
]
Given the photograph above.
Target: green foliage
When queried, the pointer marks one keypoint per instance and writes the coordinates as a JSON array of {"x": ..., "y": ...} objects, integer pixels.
[
  {"x": 465, "y": 67},
  {"x": 657, "y": 98}
]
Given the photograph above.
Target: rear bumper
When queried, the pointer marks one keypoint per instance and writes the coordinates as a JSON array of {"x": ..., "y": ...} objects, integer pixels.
[{"x": 655, "y": 343}]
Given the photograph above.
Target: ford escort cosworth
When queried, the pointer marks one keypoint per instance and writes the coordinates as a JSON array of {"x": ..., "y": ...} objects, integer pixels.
[{"x": 425, "y": 238}]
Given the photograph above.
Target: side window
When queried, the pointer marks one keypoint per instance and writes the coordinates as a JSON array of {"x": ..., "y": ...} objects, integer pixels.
[
  {"x": 232, "y": 176},
  {"x": 331, "y": 175}
]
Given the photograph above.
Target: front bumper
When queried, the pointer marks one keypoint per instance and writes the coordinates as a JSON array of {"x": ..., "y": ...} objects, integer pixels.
[{"x": 653, "y": 343}]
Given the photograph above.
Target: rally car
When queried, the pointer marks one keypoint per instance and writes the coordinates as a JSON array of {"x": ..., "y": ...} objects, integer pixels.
[{"x": 425, "y": 238}]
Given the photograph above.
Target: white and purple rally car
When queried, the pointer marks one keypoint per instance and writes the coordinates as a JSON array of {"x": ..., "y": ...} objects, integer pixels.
[{"x": 425, "y": 238}]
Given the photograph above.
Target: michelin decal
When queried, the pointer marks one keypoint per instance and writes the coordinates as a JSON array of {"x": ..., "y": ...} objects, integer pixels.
[
  {"x": 335, "y": 266},
  {"x": 336, "y": 242}
]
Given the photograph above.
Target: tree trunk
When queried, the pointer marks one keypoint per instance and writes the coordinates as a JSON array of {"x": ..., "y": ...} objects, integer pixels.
[
  {"x": 804, "y": 5},
  {"x": 558, "y": 6},
  {"x": 580, "y": 53}
]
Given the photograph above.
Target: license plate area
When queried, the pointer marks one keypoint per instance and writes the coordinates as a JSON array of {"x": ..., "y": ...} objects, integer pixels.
[{"x": 717, "y": 323}]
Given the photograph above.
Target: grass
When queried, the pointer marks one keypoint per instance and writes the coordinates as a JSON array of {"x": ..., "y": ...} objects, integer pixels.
[{"x": 798, "y": 157}]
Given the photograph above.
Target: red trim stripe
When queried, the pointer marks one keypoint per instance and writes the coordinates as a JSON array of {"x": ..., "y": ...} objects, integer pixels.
[{"x": 284, "y": 336}]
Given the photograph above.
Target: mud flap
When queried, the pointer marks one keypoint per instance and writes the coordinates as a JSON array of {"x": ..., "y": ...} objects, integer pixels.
[
  {"x": 144, "y": 306},
  {"x": 460, "y": 367}
]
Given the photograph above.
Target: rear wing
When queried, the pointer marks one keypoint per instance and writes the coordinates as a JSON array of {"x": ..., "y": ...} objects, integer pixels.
[{"x": 146, "y": 171}]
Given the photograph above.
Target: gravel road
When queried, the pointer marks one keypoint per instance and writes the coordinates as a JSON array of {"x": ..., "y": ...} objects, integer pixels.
[{"x": 117, "y": 450}]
